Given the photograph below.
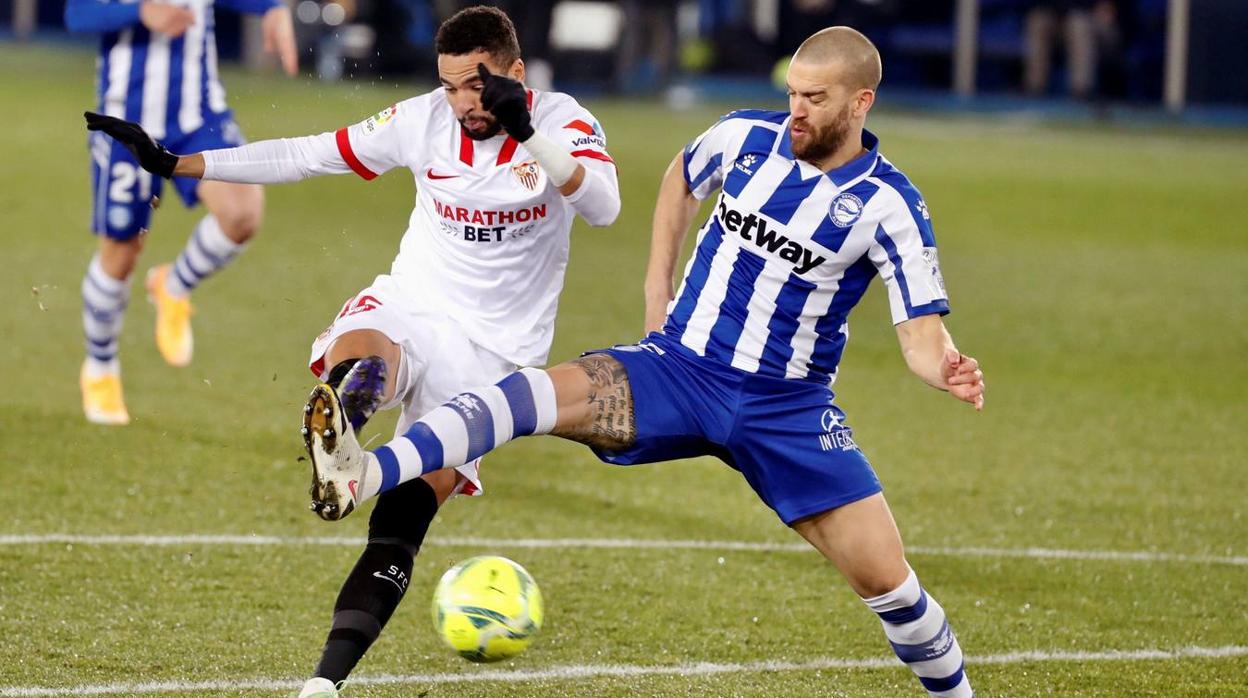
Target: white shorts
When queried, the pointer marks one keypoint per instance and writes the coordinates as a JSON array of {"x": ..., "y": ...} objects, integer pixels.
[{"x": 440, "y": 361}]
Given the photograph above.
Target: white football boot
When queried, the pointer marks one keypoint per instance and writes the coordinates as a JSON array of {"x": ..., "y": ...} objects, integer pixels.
[
  {"x": 338, "y": 462},
  {"x": 319, "y": 688}
]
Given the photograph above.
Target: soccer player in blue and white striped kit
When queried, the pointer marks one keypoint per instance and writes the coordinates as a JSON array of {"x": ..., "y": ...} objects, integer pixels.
[
  {"x": 740, "y": 361},
  {"x": 158, "y": 66}
]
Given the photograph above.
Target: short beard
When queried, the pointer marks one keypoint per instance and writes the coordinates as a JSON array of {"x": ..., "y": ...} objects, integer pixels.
[
  {"x": 825, "y": 141},
  {"x": 489, "y": 133}
]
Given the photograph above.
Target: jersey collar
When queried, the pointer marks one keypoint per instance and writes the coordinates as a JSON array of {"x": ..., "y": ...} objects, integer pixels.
[{"x": 846, "y": 173}]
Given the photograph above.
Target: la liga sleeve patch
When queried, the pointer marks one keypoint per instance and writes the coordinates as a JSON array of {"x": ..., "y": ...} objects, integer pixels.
[{"x": 381, "y": 118}]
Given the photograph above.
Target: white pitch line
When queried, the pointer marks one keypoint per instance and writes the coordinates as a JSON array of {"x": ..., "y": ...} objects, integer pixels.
[
  {"x": 618, "y": 543},
  {"x": 584, "y": 671}
]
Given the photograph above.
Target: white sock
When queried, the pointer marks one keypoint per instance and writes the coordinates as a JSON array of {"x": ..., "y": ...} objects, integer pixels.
[
  {"x": 916, "y": 627},
  {"x": 464, "y": 429},
  {"x": 207, "y": 251},
  {"x": 104, "y": 301}
]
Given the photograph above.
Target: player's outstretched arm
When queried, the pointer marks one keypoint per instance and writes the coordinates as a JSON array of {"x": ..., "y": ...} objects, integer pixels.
[
  {"x": 673, "y": 213},
  {"x": 932, "y": 356},
  {"x": 263, "y": 162}
]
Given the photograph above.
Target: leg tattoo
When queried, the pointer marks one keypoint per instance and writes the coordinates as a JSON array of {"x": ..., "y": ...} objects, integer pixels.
[{"x": 610, "y": 423}]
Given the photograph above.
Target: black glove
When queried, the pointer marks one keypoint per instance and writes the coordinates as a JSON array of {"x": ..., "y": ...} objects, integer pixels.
[
  {"x": 151, "y": 155},
  {"x": 507, "y": 101}
]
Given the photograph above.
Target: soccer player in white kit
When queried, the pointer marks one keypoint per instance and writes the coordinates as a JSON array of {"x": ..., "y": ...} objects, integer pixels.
[{"x": 501, "y": 172}]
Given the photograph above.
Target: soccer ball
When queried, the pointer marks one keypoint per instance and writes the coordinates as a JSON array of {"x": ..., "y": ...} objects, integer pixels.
[{"x": 487, "y": 608}]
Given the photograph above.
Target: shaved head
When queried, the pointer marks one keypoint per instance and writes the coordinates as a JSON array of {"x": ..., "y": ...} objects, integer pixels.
[{"x": 852, "y": 53}]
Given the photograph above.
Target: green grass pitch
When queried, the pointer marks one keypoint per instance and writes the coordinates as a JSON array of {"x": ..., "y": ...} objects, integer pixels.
[{"x": 1100, "y": 275}]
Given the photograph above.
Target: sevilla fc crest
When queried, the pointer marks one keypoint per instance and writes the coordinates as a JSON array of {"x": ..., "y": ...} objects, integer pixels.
[{"x": 526, "y": 172}]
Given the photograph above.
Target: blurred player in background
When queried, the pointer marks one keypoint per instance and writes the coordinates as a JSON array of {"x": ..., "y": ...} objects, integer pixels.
[
  {"x": 501, "y": 173},
  {"x": 739, "y": 364},
  {"x": 158, "y": 66}
]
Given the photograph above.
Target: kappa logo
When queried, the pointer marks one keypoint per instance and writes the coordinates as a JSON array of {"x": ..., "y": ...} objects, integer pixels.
[
  {"x": 846, "y": 210},
  {"x": 922, "y": 209},
  {"x": 527, "y": 174}
]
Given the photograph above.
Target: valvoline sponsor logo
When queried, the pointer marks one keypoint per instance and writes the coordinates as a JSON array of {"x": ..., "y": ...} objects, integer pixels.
[{"x": 593, "y": 133}]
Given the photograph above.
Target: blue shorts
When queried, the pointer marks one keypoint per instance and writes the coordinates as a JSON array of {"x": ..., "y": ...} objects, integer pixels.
[
  {"x": 784, "y": 436},
  {"x": 122, "y": 191}
]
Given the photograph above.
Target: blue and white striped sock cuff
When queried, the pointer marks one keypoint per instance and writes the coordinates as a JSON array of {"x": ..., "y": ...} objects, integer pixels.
[
  {"x": 102, "y": 286},
  {"x": 206, "y": 252},
  {"x": 899, "y": 599},
  {"x": 470, "y": 425},
  {"x": 541, "y": 399},
  {"x": 104, "y": 301},
  {"x": 920, "y": 635}
]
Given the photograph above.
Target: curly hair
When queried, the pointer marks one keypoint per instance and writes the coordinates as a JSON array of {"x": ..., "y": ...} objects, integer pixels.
[{"x": 479, "y": 28}]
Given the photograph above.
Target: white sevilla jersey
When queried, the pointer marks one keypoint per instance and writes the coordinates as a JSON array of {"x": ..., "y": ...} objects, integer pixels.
[{"x": 487, "y": 242}]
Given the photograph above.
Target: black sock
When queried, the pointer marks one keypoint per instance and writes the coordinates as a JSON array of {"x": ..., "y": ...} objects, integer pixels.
[{"x": 376, "y": 584}]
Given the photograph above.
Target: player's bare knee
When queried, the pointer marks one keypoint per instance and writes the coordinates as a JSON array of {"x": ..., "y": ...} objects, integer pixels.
[
  {"x": 878, "y": 582},
  {"x": 238, "y": 208},
  {"x": 359, "y": 344},
  {"x": 876, "y": 575},
  {"x": 119, "y": 257},
  {"x": 443, "y": 483},
  {"x": 241, "y": 224}
]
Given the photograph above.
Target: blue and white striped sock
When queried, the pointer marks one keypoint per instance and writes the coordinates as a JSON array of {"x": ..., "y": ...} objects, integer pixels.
[
  {"x": 465, "y": 428},
  {"x": 916, "y": 626},
  {"x": 207, "y": 251},
  {"x": 104, "y": 301}
]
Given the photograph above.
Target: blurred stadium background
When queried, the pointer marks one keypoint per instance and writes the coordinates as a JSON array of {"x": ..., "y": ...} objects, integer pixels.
[
  {"x": 1086, "y": 531},
  {"x": 1142, "y": 53}
]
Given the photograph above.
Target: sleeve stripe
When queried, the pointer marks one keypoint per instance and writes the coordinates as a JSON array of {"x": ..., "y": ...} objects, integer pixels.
[
  {"x": 348, "y": 156},
  {"x": 595, "y": 154},
  {"x": 712, "y": 164},
  {"x": 885, "y": 241}
]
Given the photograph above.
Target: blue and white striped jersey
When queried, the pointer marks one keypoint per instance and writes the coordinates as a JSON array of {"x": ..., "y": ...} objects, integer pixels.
[
  {"x": 789, "y": 250},
  {"x": 169, "y": 85}
]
